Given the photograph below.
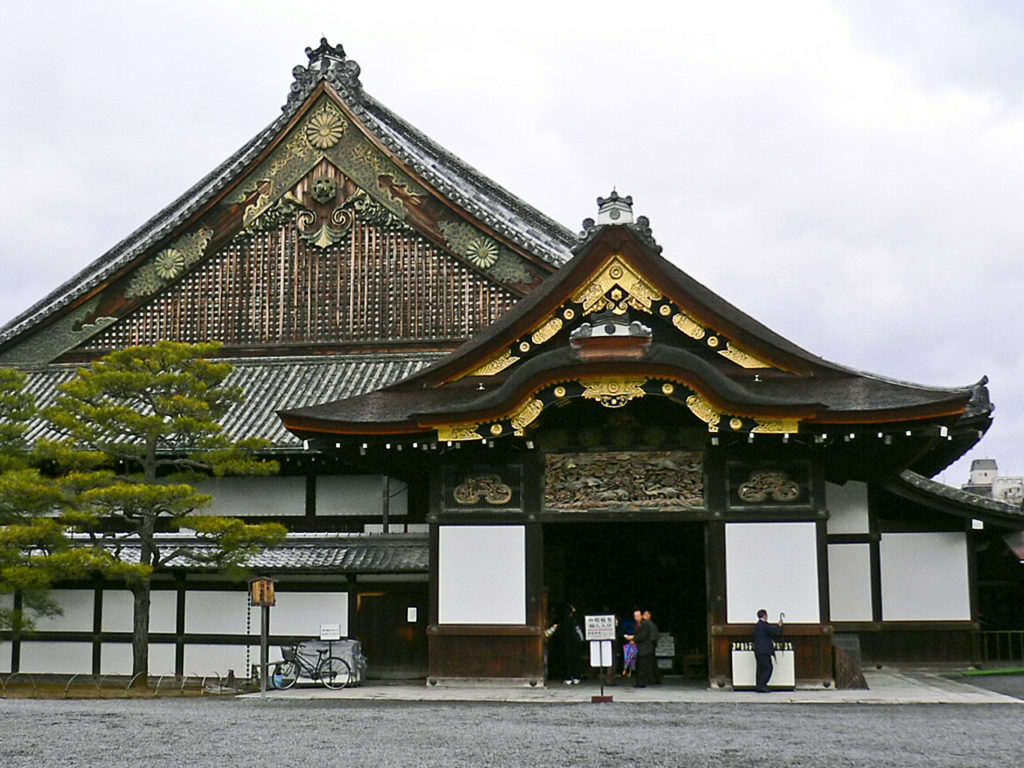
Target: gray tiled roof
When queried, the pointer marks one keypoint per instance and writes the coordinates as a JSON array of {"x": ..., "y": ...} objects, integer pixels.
[
  {"x": 270, "y": 384},
  {"x": 970, "y": 503},
  {"x": 340, "y": 553},
  {"x": 463, "y": 185}
]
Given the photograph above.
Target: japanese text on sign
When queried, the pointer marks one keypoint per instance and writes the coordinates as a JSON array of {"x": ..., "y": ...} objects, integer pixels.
[{"x": 601, "y": 627}]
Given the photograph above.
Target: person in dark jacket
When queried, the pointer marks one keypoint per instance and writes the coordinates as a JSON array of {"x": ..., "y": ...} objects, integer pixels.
[
  {"x": 571, "y": 632},
  {"x": 655, "y": 636},
  {"x": 764, "y": 648},
  {"x": 645, "y": 641}
]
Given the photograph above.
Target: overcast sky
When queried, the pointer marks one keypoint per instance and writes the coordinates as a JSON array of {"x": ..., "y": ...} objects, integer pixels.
[{"x": 849, "y": 173}]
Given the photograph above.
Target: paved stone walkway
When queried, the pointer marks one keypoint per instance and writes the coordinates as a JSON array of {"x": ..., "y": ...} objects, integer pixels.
[{"x": 885, "y": 686}]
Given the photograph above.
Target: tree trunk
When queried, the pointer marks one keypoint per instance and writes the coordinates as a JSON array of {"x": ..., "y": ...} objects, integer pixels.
[{"x": 140, "y": 632}]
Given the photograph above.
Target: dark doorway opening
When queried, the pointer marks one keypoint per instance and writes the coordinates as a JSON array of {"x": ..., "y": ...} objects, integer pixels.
[
  {"x": 391, "y": 623},
  {"x": 618, "y": 567}
]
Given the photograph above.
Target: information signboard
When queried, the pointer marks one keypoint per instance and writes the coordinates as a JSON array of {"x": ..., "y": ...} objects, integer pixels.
[{"x": 600, "y": 627}]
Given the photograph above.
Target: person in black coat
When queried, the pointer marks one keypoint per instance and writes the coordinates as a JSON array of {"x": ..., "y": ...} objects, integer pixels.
[
  {"x": 645, "y": 641},
  {"x": 764, "y": 648},
  {"x": 572, "y": 638}
]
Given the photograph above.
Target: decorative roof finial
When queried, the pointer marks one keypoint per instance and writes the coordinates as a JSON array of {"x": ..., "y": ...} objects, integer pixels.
[
  {"x": 326, "y": 62},
  {"x": 614, "y": 209},
  {"x": 617, "y": 210}
]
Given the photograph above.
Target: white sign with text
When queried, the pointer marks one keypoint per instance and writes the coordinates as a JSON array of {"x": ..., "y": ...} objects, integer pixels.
[{"x": 600, "y": 627}]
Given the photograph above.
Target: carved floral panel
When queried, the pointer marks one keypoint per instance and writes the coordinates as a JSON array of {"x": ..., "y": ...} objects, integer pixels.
[
  {"x": 769, "y": 485},
  {"x": 616, "y": 480},
  {"x": 487, "y": 488}
]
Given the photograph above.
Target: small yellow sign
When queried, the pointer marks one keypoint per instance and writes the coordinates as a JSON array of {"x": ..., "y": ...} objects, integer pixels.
[{"x": 261, "y": 591}]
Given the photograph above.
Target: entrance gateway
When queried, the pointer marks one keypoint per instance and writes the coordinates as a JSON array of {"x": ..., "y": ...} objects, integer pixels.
[{"x": 624, "y": 438}]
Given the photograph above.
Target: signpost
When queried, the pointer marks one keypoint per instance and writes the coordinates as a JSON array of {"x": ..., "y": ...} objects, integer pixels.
[
  {"x": 261, "y": 593},
  {"x": 600, "y": 631}
]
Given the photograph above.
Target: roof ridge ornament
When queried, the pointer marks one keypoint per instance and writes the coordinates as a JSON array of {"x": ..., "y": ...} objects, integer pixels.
[
  {"x": 616, "y": 210},
  {"x": 326, "y": 62}
]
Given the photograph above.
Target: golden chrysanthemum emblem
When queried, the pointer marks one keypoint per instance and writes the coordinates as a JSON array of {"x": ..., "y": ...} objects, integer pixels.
[
  {"x": 168, "y": 263},
  {"x": 325, "y": 129},
  {"x": 482, "y": 251}
]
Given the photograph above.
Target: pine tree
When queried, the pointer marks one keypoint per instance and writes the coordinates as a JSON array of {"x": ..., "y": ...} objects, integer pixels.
[
  {"x": 35, "y": 516},
  {"x": 139, "y": 427}
]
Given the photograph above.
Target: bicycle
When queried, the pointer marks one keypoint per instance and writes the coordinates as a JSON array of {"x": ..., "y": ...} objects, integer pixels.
[{"x": 334, "y": 672}]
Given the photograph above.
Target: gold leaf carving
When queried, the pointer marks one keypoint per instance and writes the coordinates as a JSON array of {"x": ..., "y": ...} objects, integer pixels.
[
  {"x": 776, "y": 426},
  {"x": 688, "y": 325},
  {"x": 547, "y": 330},
  {"x": 527, "y": 414},
  {"x": 616, "y": 272},
  {"x": 326, "y": 127},
  {"x": 169, "y": 263},
  {"x": 483, "y": 251},
  {"x": 495, "y": 364},
  {"x": 704, "y": 411},
  {"x": 490, "y": 488},
  {"x": 613, "y": 393},
  {"x": 742, "y": 357},
  {"x": 458, "y": 432}
]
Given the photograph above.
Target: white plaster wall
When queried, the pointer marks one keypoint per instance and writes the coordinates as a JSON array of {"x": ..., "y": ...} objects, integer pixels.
[
  {"x": 219, "y": 612},
  {"x": 359, "y": 495},
  {"x": 119, "y": 609},
  {"x": 772, "y": 566},
  {"x": 482, "y": 574},
  {"x": 57, "y": 658},
  {"x": 209, "y": 659},
  {"x": 116, "y": 659},
  {"x": 925, "y": 577},
  {"x": 849, "y": 582},
  {"x": 254, "y": 496},
  {"x": 302, "y": 613},
  {"x": 847, "y": 507},
  {"x": 77, "y": 606}
]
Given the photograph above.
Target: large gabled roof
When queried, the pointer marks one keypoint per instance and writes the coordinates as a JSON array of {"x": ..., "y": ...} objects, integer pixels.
[
  {"x": 682, "y": 342},
  {"x": 329, "y": 71}
]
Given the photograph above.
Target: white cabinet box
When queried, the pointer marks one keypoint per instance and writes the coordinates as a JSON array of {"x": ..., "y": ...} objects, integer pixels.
[{"x": 744, "y": 666}]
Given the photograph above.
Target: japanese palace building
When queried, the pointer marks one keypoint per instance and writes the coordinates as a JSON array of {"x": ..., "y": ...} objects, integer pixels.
[{"x": 481, "y": 416}]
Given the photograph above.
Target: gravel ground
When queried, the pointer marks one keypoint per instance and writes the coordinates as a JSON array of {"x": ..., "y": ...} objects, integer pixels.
[{"x": 258, "y": 734}]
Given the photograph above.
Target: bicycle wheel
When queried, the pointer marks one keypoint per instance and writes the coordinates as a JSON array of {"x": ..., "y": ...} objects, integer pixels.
[
  {"x": 334, "y": 673},
  {"x": 285, "y": 675}
]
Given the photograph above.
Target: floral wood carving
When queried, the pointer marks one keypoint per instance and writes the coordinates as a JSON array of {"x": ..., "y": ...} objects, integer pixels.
[
  {"x": 760, "y": 485},
  {"x": 666, "y": 480},
  {"x": 490, "y": 488},
  {"x": 169, "y": 263},
  {"x": 325, "y": 134}
]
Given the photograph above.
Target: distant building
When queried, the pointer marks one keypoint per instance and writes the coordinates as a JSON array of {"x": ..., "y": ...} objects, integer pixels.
[{"x": 985, "y": 481}]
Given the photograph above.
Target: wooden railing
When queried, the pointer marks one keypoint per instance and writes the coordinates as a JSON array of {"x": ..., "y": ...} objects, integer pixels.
[{"x": 1000, "y": 645}]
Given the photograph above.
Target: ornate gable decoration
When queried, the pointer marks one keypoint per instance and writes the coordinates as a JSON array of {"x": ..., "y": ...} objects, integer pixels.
[
  {"x": 611, "y": 392},
  {"x": 617, "y": 286}
]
